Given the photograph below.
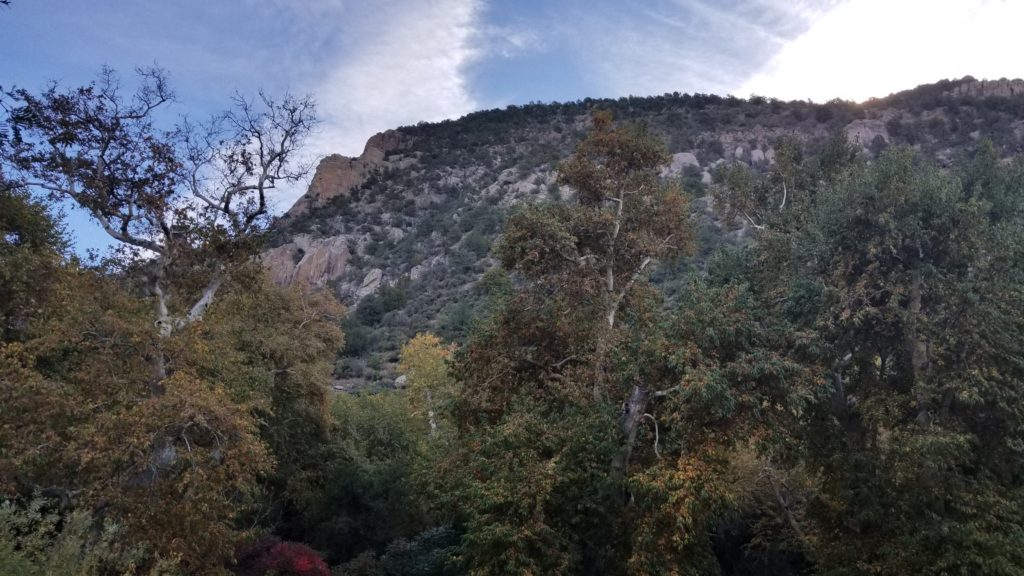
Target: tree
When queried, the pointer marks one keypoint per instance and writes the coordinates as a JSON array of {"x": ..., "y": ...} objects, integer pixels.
[
  {"x": 912, "y": 262},
  {"x": 538, "y": 474},
  {"x": 906, "y": 281},
  {"x": 424, "y": 363},
  {"x": 594, "y": 254},
  {"x": 187, "y": 202},
  {"x": 165, "y": 390},
  {"x": 32, "y": 245}
]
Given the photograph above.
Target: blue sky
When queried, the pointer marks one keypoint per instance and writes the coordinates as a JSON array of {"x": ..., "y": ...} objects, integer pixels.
[{"x": 377, "y": 64}]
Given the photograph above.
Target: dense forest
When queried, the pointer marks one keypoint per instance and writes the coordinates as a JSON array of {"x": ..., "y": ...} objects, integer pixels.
[{"x": 839, "y": 392}]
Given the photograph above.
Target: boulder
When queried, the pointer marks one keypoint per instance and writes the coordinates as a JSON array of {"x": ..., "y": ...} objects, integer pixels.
[
  {"x": 420, "y": 269},
  {"x": 679, "y": 162},
  {"x": 508, "y": 176},
  {"x": 371, "y": 282}
]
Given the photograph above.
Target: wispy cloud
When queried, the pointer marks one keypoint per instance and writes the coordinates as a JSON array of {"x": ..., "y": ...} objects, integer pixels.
[
  {"x": 375, "y": 66},
  {"x": 685, "y": 45},
  {"x": 508, "y": 41}
]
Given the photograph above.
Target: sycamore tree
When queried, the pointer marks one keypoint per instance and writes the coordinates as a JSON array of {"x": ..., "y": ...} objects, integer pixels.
[
  {"x": 424, "y": 362},
  {"x": 185, "y": 202},
  {"x": 594, "y": 424},
  {"x": 169, "y": 388}
]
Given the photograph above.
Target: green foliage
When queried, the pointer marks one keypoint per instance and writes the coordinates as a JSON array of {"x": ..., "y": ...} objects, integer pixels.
[
  {"x": 595, "y": 426},
  {"x": 368, "y": 497},
  {"x": 907, "y": 282},
  {"x": 836, "y": 391},
  {"x": 246, "y": 387},
  {"x": 31, "y": 246},
  {"x": 426, "y": 554},
  {"x": 38, "y": 540},
  {"x": 430, "y": 387}
]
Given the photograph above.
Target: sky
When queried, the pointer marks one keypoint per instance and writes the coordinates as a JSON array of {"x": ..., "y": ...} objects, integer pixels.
[{"x": 378, "y": 64}]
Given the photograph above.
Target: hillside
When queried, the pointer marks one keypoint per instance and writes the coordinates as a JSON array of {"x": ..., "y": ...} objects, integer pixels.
[{"x": 403, "y": 233}]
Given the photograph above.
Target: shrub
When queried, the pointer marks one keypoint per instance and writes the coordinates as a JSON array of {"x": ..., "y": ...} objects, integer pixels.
[
  {"x": 270, "y": 555},
  {"x": 38, "y": 540}
]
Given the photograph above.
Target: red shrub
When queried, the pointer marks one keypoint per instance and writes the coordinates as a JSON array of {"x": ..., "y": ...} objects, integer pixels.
[{"x": 285, "y": 558}]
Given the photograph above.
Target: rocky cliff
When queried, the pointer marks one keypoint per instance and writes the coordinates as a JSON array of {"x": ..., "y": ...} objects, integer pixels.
[
  {"x": 337, "y": 175},
  {"x": 1001, "y": 88},
  {"x": 403, "y": 232}
]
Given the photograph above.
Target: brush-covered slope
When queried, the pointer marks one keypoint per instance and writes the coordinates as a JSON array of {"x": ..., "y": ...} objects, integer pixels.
[{"x": 403, "y": 232}]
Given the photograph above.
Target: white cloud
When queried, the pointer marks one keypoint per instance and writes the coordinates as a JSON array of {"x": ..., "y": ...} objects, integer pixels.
[
  {"x": 866, "y": 48},
  {"x": 407, "y": 66},
  {"x": 380, "y": 66}
]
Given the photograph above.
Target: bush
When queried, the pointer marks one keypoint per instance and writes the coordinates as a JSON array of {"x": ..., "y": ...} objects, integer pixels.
[
  {"x": 40, "y": 540},
  {"x": 270, "y": 555},
  {"x": 428, "y": 554}
]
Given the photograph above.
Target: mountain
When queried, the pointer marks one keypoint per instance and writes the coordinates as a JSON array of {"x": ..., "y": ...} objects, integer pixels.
[{"x": 403, "y": 232}]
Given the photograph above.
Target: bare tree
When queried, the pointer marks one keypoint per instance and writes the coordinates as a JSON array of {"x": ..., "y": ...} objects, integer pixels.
[{"x": 187, "y": 201}]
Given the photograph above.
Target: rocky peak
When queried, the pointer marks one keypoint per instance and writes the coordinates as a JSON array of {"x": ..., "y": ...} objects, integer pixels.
[
  {"x": 383, "y": 143},
  {"x": 337, "y": 175}
]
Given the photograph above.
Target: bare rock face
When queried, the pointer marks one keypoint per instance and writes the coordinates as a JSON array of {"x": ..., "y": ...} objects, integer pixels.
[
  {"x": 370, "y": 283},
  {"x": 1003, "y": 88},
  {"x": 313, "y": 262},
  {"x": 337, "y": 175},
  {"x": 381, "y": 143},
  {"x": 865, "y": 131}
]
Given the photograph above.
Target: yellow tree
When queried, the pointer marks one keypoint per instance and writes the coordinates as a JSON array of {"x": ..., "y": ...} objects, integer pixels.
[{"x": 424, "y": 363}]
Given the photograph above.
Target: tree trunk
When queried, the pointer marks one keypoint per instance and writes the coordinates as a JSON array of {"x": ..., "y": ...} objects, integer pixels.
[
  {"x": 917, "y": 347},
  {"x": 431, "y": 417},
  {"x": 632, "y": 414},
  {"x": 163, "y": 327}
]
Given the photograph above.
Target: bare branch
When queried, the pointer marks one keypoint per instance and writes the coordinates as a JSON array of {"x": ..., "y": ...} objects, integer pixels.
[
  {"x": 666, "y": 392},
  {"x": 656, "y": 452}
]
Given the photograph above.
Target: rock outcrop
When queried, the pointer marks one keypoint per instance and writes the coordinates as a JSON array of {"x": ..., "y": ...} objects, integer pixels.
[
  {"x": 314, "y": 262},
  {"x": 337, "y": 175},
  {"x": 1002, "y": 88},
  {"x": 370, "y": 283},
  {"x": 865, "y": 130}
]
